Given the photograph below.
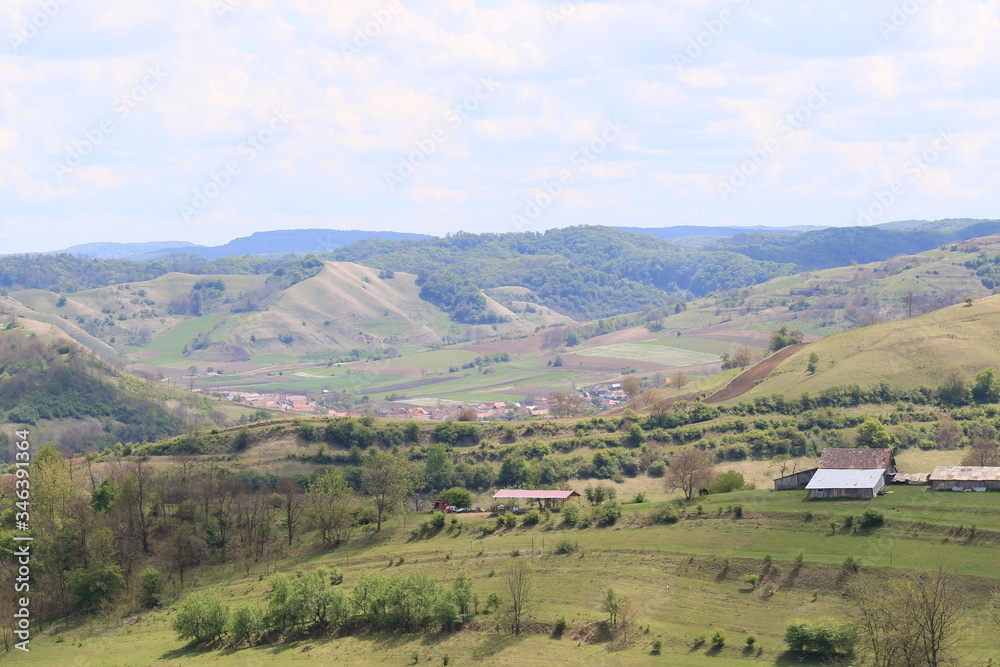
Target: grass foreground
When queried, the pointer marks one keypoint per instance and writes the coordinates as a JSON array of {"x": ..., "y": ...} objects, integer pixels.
[{"x": 686, "y": 580}]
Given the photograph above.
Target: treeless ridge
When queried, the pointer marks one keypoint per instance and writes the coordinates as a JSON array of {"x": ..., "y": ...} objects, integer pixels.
[{"x": 746, "y": 381}]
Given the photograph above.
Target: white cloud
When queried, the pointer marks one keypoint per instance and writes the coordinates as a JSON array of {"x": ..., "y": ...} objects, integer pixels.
[{"x": 559, "y": 78}]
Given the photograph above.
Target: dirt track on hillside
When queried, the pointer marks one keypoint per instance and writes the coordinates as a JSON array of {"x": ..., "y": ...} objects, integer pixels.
[{"x": 746, "y": 381}]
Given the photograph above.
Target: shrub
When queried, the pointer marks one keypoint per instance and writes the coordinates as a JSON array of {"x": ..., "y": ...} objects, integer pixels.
[
  {"x": 531, "y": 518},
  {"x": 823, "y": 638},
  {"x": 567, "y": 546},
  {"x": 639, "y": 498},
  {"x": 609, "y": 513},
  {"x": 436, "y": 522},
  {"x": 559, "y": 627},
  {"x": 571, "y": 513},
  {"x": 201, "y": 617},
  {"x": 151, "y": 588},
  {"x": 738, "y": 511},
  {"x": 698, "y": 641},
  {"x": 668, "y": 514},
  {"x": 751, "y": 640},
  {"x": 729, "y": 481},
  {"x": 657, "y": 646},
  {"x": 91, "y": 587},
  {"x": 488, "y": 527},
  {"x": 751, "y": 580},
  {"x": 871, "y": 519},
  {"x": 245, "y": 623},
  {"x": 657, "y": 469},
  {"x": 852, "y": 565},
  {"x": 718, "y": 639},
  {"x": 848, "y": 521}
]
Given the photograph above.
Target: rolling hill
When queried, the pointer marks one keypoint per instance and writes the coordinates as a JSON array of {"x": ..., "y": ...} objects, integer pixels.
[{"x": 906, "y": 354}]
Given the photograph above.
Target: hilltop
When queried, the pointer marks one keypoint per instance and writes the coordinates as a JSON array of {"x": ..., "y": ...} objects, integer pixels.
[{"x": 910, "y": 353}]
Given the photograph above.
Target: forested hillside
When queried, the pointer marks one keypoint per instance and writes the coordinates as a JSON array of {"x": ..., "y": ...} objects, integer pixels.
[
  {"x": 840, "y": 246},
  {"x": 585, "y": 272},
  {"x": 90, "y": 404}
]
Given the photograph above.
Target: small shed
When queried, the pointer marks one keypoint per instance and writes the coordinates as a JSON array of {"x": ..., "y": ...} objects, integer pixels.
[
  {"x": 965, "y": 478},
  {"x": 797, "y": 480},
  {"x": 545, "y": 497},
  {"x": 912, "y": 478},
  {"x": 840, "y": 483}
]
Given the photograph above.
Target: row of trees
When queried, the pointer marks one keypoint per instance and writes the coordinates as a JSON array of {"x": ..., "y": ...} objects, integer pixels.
[{"x": 304, "y": 604}]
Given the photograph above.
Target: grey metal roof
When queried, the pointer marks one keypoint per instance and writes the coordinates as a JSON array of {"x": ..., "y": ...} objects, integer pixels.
[{"x": 832, "y": 478}]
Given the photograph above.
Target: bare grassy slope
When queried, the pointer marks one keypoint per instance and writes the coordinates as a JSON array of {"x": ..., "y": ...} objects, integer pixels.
[{"x": 907, "y": 353}]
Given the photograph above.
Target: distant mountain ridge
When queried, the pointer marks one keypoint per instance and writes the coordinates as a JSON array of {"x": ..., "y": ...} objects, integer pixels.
[{"x": 259, "y": 243}]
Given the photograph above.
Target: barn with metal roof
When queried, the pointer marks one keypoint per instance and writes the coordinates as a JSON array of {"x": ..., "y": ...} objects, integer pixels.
[{"x": 844, "y": 483}]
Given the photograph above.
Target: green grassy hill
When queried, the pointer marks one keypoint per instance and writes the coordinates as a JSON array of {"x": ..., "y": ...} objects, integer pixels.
[{"x": 906, "y": 354}]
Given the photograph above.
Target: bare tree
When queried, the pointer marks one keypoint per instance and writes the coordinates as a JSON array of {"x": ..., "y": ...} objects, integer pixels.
[
  {"x": 908, "y": 619},
  {"x": 253, "y": 515},
  {"x": 949, "y": 433},
  {"x": 690, "y": 470},
  {"x": 291, "y": 503},
  {"x": 519, "y": 582},
  {"x": 680, "y": 380},
  {"x": 743, "y": 357},
  {"x": 564, "y": 403},
  {"x": 983, "y": 451}
]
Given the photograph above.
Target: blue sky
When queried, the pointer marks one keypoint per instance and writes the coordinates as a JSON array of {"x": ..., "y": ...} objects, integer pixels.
[{"x": 205, "y": 120}]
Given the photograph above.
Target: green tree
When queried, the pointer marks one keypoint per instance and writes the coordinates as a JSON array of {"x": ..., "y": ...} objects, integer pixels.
[
  {"x": 612, "y": 605},
  {"x": 438, "y": 470},
  {"x": 103, "y": 496},
  {"x": 92, "y": 586},
  {"x": 201, "y": 617},
  {"x": 873, "y": 434},
  {"x": 513, "y": 472},
  {"x": 457, "y": 496},
  {"x": 955, "y": 389},
  {"x": 151, "y": 588},
  {"x": 245, "y": 623},
  {"x": 813, "y": 364},
  {"x": 986, "y": 388}
]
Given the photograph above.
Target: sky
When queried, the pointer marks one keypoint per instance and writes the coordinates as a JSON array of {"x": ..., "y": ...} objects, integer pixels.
[{"x": 205, "y": 120}]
